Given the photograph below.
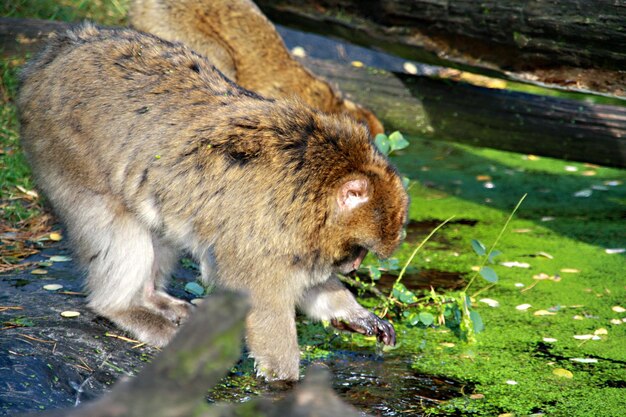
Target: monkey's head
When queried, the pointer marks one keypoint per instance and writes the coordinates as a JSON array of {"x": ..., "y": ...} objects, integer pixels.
[
  {"x": 370, "y": 212},
  {"x": 367, "y": 202}
]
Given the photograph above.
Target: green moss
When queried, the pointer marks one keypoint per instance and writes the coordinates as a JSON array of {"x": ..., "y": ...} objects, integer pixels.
[{"x": 512, "y": 347}]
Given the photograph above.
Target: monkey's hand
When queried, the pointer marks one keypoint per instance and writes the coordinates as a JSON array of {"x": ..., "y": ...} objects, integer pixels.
[{"x": 370, "y": 325}]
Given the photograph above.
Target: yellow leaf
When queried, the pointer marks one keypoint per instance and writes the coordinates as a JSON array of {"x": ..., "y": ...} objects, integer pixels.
[
  {"x": 55, "y": 236},
  {"x": 541, "y": 276},
  {"x": 39, "y": 271},
  {"x": 570, "y": 270},
  {"x": 357, "y": 64},
  {"x": 70, "y": 314},
  {"x": 563, "y": 373},
  {"x": 410, "y": 68},
  {"x": 600, "y": 331},
  {"x": 543, "y": 313},
  {"x": 618, "y": 309},
  {"x": 52, "y": 287}
]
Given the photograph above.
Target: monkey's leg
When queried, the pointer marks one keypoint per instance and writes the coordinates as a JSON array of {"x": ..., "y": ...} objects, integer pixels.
[
  {"x": 172, "y": 308},
  {"x": 208, "y": 268},
  {"x": 272, "y": 338},
  {"x": 332, "y": 301},
  {"x": 119, "y": 253}
]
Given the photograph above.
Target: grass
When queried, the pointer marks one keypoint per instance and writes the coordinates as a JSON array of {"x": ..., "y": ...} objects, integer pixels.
[
  {"x": 575, "y": 231},
  {"x": 107, "y": 12},
  {"x": 15, "y": 205}
]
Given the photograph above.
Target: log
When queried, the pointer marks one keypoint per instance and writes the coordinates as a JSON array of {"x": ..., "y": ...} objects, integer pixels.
[
  {"x": 21, "y": 36},
  {"x": 454, "y": 111},
  {"x": 577, "y": 44},
  {"x": 175, "y": 382},
  {"x": 448, "y": 110}
]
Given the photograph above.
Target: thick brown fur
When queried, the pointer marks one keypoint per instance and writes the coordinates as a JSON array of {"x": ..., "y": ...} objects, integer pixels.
[
  {"x": 240, "y": 41},
  {"x": 145, "y": 150}
]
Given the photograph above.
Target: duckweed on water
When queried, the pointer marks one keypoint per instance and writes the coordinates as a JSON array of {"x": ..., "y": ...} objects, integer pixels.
[{"x": 512, "y": 347}]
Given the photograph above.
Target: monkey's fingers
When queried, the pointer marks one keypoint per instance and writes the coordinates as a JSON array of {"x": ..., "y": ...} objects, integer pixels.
[
  {"x": 371, "y": 325},
  {"x": 385, "y": 332}
]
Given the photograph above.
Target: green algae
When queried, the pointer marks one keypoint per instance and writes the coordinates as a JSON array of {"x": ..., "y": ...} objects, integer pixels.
[{"x": 511, "y": 365}]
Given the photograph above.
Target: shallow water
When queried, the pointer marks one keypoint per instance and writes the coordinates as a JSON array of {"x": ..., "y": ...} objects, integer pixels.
[{"x": 52, "y": 362}]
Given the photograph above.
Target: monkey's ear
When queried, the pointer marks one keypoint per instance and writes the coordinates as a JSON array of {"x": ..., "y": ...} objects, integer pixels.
[{"x": 352, "y": 194}]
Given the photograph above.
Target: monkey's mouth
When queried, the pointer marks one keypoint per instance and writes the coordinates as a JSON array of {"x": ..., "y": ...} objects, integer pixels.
[
  {"x": 352, "y": 261},
  {"x": 359, "y": 258}
]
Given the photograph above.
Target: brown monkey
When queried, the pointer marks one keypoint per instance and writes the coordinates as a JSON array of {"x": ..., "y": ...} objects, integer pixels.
[
  {"x": 242, "y": 43},
  {"x": 145, "y": 150}
]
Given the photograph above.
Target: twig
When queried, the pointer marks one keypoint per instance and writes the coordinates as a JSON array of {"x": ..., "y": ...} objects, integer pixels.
[
  {"x": 36, "y": 339},
  {"x": 530, "y": 286},
  {"x": 5, "y": 308},
  {"x": 482, "y": 289},
  {"x": 358, "y": 284},
  {"x": 71, "y": 293},
  {"x": 126, "y": 339}
]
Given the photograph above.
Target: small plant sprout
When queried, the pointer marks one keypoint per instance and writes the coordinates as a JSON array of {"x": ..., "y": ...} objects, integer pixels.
[
  {"x": 389, "y": 144},
  {"x": 453, "y": 309}
]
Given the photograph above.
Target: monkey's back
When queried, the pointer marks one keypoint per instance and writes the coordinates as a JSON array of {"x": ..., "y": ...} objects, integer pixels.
[{"x": 158, "y": 129}]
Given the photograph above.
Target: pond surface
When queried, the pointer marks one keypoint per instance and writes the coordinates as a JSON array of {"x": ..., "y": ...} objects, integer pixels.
[{"x": 50, "y": 362}]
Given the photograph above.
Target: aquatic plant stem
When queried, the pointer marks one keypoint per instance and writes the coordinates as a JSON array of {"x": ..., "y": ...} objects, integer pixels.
[
  {"x": 493, "y": 246},
  {"x": 391, "y": 298}
]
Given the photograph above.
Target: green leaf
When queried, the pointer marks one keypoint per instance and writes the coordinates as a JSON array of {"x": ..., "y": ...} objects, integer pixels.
[
  {"x": 477, "y": 321},
  {"x": 413, "y": 318},
  {"x": 403, "y": 294},
  {"x": 391, "y": 264},
  {"x": 382, "y": 143},
  {"x": 374, "y": 272},
  {"x": 195, "y": 289},
  {"x": 426, "y": 318},
  {"x": 489, "y": 274},
  {"x": 493, "y": 254},
  {"x": 478, "y": 247},
  {"x": 189, "y": 264},
  {"x": 20, "y": 322},
  {"x": 397, "y": 141}
]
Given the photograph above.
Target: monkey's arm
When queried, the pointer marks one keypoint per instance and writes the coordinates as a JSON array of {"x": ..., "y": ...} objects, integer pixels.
[{"x": 332, "y": 301}]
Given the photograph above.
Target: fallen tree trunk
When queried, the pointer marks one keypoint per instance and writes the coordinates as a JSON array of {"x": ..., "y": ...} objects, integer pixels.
[
  {"x": 453, "y": 111},
  {"x": 574, "y": 44},
  {"x": 175, "y": 382}
]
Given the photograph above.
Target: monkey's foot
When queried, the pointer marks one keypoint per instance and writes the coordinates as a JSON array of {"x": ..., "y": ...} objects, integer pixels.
[
  {"x": 145, "y": 324},
  {"x": 370, "y": 325},
  {"x": 171, "y": 308},
  {"x": 155, "y": 323}
]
